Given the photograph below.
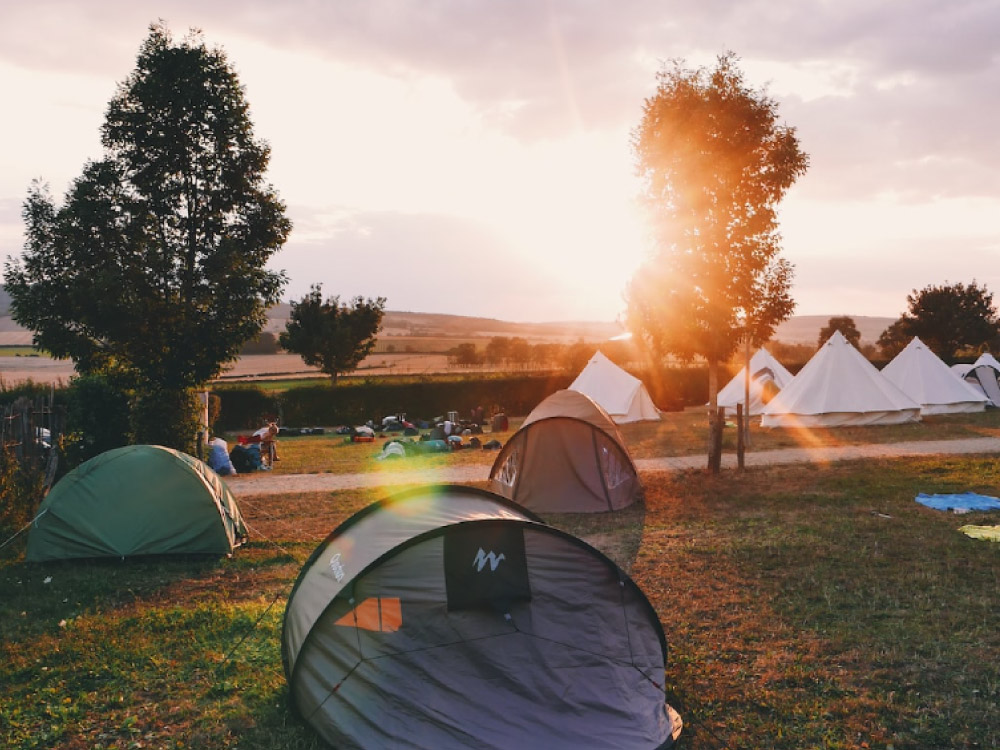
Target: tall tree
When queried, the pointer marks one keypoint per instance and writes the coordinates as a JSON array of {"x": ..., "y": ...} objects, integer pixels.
[
  {"x": 843, "y": 323},
  {"x": 948, "y": 318},
  {"x": 332, "y": 336},
  {"x": 715, "y": 164},
  {"x": 154, "y": 266}
]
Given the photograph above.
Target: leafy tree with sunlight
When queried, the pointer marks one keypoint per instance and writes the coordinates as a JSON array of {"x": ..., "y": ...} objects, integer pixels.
[
  {"x": 843, "y": 323},
  {"x": 949, "y": 318},
  {"x": 153, "y": 269},
  {"x": 715, "y": 163},
  {"x": 332, "y": 336}
]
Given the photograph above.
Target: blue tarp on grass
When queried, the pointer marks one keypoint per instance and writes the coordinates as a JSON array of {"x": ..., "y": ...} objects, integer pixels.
[{"x": 963, "y": 501}]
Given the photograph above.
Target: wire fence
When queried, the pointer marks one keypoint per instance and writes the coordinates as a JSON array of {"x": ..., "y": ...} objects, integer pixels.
[{"x": 30, "y": 429}]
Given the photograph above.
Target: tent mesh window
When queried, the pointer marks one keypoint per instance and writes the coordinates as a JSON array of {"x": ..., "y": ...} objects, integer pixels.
[
  {"x": 507, "y": 474},
  {"x": 616, "y": 472}
]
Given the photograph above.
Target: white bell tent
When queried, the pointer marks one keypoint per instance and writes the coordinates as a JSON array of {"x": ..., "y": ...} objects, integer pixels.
[
  {"x": 982, "y": 376},
  {"x": 923, "y": 376},
  {"x": 764, "y": 370},
  {"x": 620, "y": 394},
  {"x": 838, "y": 387}
]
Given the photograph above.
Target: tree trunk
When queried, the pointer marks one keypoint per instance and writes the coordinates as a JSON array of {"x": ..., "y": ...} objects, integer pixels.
[{"x": 715, "y": 419}]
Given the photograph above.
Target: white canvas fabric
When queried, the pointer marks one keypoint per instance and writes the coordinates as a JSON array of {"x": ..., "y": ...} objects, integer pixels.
[
  {"x": 920, "y": 374},
  {"x": 620, "y": 394},
  {"x": 839, "y": 387},
  {"x": 984, "y": 379},
  {"x": 988, "y": 360},
  {"x": 764, "y": 369}
]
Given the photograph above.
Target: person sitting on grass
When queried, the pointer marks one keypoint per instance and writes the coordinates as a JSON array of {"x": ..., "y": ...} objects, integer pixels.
[
  {"x": 218, "y": 457},
  {"x": 266, "y": 436}
]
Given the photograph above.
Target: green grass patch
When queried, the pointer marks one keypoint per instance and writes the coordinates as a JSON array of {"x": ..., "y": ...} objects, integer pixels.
[
  {"x": 804, "y": 607},
  {"x": 19, "y": 351},
  {"x": 823, "y": 607}
]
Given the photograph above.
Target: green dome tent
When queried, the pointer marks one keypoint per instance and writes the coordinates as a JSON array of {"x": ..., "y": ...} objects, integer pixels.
[
  {"x": 448, "y": 617},
  {"x": 137, "y": 500}
]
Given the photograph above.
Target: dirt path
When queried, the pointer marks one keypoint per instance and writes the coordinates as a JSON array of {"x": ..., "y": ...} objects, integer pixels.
[{"x": 276, "y": 484}]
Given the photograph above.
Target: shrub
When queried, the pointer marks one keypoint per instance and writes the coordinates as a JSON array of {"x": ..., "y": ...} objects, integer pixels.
[
  {"x": 97, "y": 418},
  {"x": 20, "y": 493}
]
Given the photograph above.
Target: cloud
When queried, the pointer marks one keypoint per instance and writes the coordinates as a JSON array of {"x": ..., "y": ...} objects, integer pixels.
[{"x": 424, "y": 263}]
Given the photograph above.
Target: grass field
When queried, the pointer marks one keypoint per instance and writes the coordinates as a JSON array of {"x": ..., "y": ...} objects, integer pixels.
[
  {"x": 804, "y": 607},
  {"x": 677, "y": 434}
]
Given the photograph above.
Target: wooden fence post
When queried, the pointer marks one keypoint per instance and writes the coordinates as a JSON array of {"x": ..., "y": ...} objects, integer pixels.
[{"x": 740, "y": 442}]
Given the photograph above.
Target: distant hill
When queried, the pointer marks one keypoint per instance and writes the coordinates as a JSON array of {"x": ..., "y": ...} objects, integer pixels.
[
  {"x": 439, "y": 325},
  {"x": 804, "y": 329},
  {"x": 800, "y": 329}
]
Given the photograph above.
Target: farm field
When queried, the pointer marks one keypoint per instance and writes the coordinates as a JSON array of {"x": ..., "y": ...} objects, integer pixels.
[{"x": 254, "y": 367}]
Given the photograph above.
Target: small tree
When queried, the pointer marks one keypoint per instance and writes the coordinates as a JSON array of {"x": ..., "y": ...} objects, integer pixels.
[
  {"x": 715, "y": 163},
  {"x": 465, "y": 355},
  {"x": 843, "y": 323},
  {"x": 332, "y": 336},
  {"x": 893, "y": 339},
  {"x": 498, "y": 350},
  {"x": 949, "y": 318}
]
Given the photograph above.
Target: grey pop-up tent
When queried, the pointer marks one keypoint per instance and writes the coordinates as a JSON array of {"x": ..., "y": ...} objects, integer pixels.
[
  {"x": 136, "y": 500},
  {"x": 567, "y": 457},
  {"x": 448, "y": 617}
]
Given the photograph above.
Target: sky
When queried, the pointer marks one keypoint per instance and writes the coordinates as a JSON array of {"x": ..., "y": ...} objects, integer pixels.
[{"x": 474, "y": 157}]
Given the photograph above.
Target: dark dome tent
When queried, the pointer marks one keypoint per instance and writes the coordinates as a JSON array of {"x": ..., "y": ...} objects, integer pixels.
[
  {"x": 136, "y": 500},
  {"x": 568, "y": 457},
  {"x": 447, "y": 617}
]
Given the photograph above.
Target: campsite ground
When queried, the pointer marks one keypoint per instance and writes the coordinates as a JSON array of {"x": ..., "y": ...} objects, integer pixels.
[{"x": 804, "y": 606}]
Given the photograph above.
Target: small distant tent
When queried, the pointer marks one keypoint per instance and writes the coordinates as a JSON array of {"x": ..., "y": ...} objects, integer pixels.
[
  {"x": 988, "y": 360},
  {"x": 136, "y": 500},
  {"x": 447, "y": 618},
  {"x": 838, "y": 387},
  {"x": 920, "y": 374},
  {"x": 766, "y": 373},
  {"x": 567, "y": 457},
  {"x": 982, "y": 376},
  {"x": 620, "y": 394}
]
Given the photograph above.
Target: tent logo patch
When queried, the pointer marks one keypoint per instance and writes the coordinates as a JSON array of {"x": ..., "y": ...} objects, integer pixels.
[
  {"x": 336, "y": 568},
  {"x": 485, "y": 567},
  {"x": 482, "y": 558}
]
